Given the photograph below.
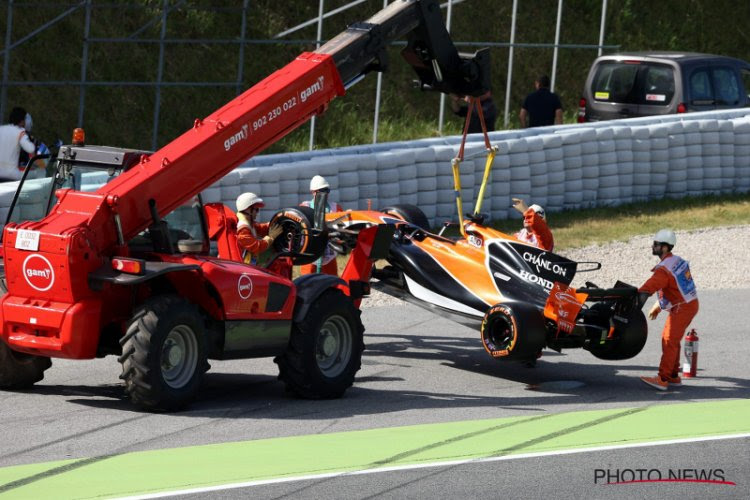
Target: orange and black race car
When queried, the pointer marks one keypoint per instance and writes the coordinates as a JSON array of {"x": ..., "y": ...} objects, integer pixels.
[{"x": 517, "y": 294}]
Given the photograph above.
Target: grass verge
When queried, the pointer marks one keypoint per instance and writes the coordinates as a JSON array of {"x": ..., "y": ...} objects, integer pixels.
[{"x": 578, "y": 228}]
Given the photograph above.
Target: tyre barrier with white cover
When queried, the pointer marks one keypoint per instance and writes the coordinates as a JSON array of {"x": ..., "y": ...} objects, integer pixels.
[{"x": 561, "y": 167}]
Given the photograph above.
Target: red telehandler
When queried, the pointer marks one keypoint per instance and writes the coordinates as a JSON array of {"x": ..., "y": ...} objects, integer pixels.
[{"x": 112, "y": 254}]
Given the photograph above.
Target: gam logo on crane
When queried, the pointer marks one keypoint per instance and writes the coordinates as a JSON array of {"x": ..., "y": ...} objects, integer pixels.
[
  {"x": 315, "y": 87},
  {"x": 38, "y": 272},
  {"x": 241, "y": 135}
]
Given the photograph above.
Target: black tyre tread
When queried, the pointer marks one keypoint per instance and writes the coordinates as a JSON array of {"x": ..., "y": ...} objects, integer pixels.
[
  {"x": 140, "y": 370},
  {"x": 410, "y": 213},
  {"x": 531, "y": 334},
  {"x": 19, "y": 370},
  {"x": 631, "y": 340},
  {"x": 316, "y": 244},
  {"x": 297, "y": 366}
]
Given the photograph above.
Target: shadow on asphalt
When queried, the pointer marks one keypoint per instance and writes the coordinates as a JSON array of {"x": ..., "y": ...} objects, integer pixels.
[{"x": 555, "y": 380}]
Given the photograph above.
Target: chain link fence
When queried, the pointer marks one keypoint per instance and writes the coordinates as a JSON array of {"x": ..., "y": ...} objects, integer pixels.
[{"x": 156, "y": 49}]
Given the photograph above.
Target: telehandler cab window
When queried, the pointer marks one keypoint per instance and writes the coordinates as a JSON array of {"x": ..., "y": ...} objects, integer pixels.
[
  {"x": 186, "y": 230},
  {"x": 36, "y": 196},
  {"x": 186, "y": 222}
]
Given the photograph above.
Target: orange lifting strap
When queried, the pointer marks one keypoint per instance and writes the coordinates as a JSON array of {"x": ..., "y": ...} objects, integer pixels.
[{"x": 456, "y": 162}]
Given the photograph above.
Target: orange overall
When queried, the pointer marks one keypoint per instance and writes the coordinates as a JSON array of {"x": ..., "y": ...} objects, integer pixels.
[
  {"x": 252, "y": 244},
  {"x": 250, "y": 240},
  {"x": 681, "y": 313},
  {"x": 535, "y": 231}
]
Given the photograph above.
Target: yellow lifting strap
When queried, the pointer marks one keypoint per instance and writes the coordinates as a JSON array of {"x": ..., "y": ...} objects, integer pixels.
[{"x": 456, "y": 162}]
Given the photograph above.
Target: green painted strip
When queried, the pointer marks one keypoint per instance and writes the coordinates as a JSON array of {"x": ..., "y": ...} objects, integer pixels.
[{"x": 212, "y": 465}]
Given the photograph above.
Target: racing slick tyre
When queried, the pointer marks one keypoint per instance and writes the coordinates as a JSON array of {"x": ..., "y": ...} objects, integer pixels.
[
  {"x": 325, "y": 348},
  {"x": 410, "y": 213},
  {"x": 299, "y": 235},
  {"x": 19, "y": 370},
  {"x": 513, "y": 332},
  {"x": 164, "y": 354},
  {"x": 626, "y": 342}
]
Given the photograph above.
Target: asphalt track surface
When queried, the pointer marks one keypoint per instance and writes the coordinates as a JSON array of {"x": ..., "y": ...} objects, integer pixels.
[{"x": 431, "y": 415}]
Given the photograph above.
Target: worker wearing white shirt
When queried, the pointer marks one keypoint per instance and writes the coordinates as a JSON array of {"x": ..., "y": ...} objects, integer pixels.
[{"x": 13, "y": 137}]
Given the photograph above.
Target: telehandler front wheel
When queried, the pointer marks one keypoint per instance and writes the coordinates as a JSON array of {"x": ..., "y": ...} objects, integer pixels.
[
  {"x": 164, "y": 354},
  {"x": 325, "y": 349},
  {"x": 19, "y": 370}
]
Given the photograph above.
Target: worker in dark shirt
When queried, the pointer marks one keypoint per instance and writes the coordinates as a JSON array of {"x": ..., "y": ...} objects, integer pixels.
[
  {"x": 460, "y": 106},
  {"x": 541, "y": 107}
]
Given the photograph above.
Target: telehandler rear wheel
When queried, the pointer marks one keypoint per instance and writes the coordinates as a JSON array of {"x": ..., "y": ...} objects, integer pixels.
[
  {"x": 164, "y": 354},
  {"x": 19, "y": 370},
  {"x": 325, "y": 349}
]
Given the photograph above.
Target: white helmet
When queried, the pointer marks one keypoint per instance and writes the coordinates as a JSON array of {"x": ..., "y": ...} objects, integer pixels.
[
  {"x": 665, "y": 236},
  {"x": 318, "y": 182},
  {"x": 536, "y": 208},
  {"x": 247, "y": 200}
]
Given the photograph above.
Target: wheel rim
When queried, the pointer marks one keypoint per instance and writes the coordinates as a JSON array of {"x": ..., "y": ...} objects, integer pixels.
[
  {"x": 333, "y": 348},
  {"x": 179, "y": 356},
  {"x": 501, "y": 334}
]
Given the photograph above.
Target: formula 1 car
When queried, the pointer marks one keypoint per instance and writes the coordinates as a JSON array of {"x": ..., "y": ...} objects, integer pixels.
[{"x": 517, "y": 294}]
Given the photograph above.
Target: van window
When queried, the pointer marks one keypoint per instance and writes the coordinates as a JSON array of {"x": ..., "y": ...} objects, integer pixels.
[
  {"x": 701, "y": 91},
  {"x": 658, "y": 84},
  {"x": 634, "y": 83},
  {"x": 614, "y": 82},
  {"x": 726, "y": 87},
  {"x": 745, "y": 74}
]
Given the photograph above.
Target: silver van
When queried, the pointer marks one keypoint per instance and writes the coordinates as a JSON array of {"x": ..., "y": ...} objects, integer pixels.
[{"x": 658, "y": 83}]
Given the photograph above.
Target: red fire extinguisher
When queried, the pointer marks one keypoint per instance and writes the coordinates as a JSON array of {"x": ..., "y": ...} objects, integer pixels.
[{"x": 690, "y": 367}]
